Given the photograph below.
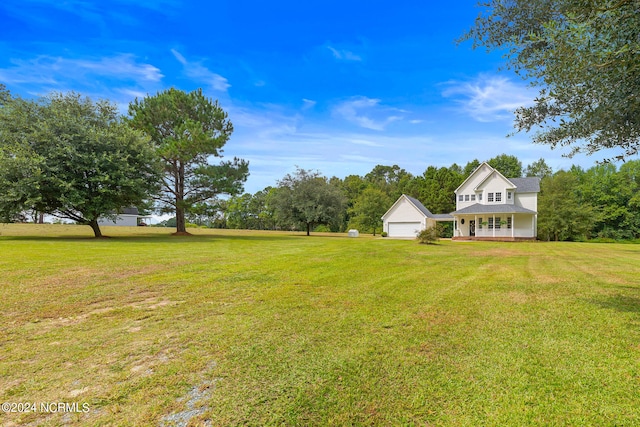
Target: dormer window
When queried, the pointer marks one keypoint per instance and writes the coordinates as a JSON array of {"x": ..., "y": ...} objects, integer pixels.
[
  {"x": 480, "y": 197},
  {"x": 498, "y": 197},
  {"x": 508, "y": 195}
]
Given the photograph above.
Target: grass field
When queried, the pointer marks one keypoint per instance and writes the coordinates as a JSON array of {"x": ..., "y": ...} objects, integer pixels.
[{"x": 263, "y": 328}]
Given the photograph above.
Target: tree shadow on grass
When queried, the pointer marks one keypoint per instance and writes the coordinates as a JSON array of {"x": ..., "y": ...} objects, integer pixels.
[
  {"x": 150, "y": 238},
  {"x": 622, "y": 303}
]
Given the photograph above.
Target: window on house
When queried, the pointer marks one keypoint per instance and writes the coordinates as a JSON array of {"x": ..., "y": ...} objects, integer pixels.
[
  {"x": 509, "y": 223},
  {"x": 473, "y": 197},
  {"x": 497, "y": 224},
  {"x": 460, "y": 198},
  {"x": 480, "y": 223},
  {"x": 466, "y": 197},
  {"x": 491, "y": 223},
  {"x": 490, "y": 197},
  {"x": 508, "y": 195},
  {"x": 480, "y": 197},
  {"x": 498, "y": 197}
]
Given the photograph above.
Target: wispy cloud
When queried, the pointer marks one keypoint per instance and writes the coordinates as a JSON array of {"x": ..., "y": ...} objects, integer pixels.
[
  {"x": 308, "y": 104},
  {"x": 50, "y": 70},
  {"x": 366, "y": 113},
  {"x": 344, "y": 54},
  {"x": 489, "y": 98},
  {"x": 200, "y": 73}
]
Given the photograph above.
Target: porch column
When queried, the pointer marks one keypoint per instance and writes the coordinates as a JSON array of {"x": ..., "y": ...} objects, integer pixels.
[
  {"x": 494, "y": 225},
  {"x": 513, "y": 226}
]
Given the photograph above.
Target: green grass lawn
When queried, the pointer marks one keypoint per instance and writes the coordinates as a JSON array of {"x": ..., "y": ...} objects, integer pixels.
[{"x": 264, "y": 328}]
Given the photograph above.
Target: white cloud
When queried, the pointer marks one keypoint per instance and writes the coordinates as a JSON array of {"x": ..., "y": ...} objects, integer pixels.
[
  {"x": 489, "y": 98},
  {"x": 200, "y": 73},
  {"x": 366, "y": 113},
  {"x": 132, "y": 93},
  {"x": 344, "y": 54},
  {"x": 308, "y": 103},
  {"x": 122, "y": 66},
  {"x": 181, "y": 59},
  {"x": 52, "y": 70}
]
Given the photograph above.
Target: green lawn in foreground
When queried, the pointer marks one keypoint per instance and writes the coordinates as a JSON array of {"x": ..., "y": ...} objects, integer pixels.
[{"x": 264, "y": 328}]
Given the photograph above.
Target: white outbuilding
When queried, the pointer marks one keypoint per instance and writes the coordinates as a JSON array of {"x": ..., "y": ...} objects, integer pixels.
[
  {"x": 407, "y": 217},
  {"x": 129, "y": 217}
]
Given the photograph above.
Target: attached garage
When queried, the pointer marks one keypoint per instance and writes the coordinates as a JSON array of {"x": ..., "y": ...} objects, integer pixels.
[
  {"x": 404, "y": 229},
  {"x": 407, "y": 217}
]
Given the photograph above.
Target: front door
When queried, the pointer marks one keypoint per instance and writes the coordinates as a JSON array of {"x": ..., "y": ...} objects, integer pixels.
[{"x": 472, "y": 228}]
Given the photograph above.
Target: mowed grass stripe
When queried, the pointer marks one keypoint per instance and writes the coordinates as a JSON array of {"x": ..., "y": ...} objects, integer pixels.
[{"x": 281, "y": 329}]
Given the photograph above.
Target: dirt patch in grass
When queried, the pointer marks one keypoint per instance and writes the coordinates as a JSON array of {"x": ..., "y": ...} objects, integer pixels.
[
  {"x": 437, "y": 318},
  {"x": 518, "y": 297},
  {"x": 154, "y": 303}
]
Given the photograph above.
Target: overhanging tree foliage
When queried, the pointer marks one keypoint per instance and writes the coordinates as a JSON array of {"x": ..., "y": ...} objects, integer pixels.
[
  {"x": 72, "y": 158},
  {"x": 584, "y": 56},
  {"x": 186, "y": 130}
]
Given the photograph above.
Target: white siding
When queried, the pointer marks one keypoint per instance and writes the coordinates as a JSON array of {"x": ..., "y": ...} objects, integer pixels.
[
  {"x": 486, "y": 180},
  {"x": 123, "y": 220},
  {"x": 468, "y": 187},
  {"x": 403, "y": 212},
  {"x": 527, "y": 200},
  {"x": 496, "y": 184}
]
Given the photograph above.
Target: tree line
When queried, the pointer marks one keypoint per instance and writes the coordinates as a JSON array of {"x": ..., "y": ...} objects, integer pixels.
[{"x": 600, "y": 202}]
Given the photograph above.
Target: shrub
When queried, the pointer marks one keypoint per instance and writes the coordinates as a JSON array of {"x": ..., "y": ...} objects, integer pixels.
[
  {"x": 429, "y": 235},
  {"x": 384, "y": 234}
]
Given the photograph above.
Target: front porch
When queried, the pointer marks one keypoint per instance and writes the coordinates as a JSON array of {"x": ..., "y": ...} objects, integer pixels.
[{"x": 495, "y": 226}]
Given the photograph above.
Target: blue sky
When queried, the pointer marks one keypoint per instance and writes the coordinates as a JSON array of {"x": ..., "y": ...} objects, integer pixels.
[{"x": 332, "y": 86}]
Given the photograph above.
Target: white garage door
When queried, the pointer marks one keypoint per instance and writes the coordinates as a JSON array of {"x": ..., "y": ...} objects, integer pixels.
[{"x": 404, "y": 229}]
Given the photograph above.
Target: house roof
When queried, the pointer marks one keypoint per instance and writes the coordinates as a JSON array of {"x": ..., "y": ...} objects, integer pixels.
[
  {"x": 130, "y": 211},
  {"x": 471, "y": 174},
  {"x": 526, "y": 185},
  {"x": 522, "y": 185},
  {"x": 478, "y": 208},
  {"x": 419, "y": 206},
  {"x": 442, "y": 217}
]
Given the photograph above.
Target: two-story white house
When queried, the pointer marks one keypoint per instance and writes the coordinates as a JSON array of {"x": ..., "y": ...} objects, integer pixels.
[{"x": 492, "y": 207}]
